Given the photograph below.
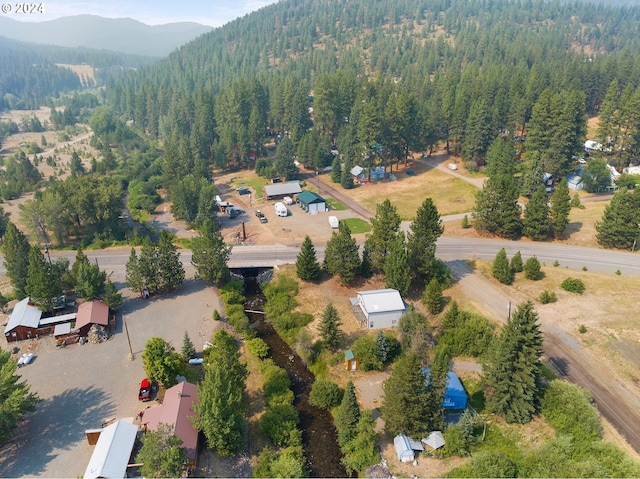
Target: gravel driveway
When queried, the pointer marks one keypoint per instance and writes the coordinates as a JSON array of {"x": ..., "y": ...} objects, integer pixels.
[{"x": 84, "y": 386}]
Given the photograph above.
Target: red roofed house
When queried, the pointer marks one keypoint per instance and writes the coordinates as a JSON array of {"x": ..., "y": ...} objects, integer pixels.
[
  {"x": 89, "y": 313},
  {"x": 177, "y": 410}
]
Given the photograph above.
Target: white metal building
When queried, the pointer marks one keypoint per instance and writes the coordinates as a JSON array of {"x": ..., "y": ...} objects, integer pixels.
[
  {"x": 381, "y": 308},
  {"x": 113, "y": 450}
]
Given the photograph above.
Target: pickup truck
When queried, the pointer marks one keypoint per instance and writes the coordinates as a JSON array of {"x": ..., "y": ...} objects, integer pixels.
[{"x": 146, "y": 390}]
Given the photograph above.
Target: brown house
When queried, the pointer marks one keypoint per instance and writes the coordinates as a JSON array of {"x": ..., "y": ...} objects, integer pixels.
[
  {"x": 26, "y": 322},
  {"x": 90, "y": 313}
]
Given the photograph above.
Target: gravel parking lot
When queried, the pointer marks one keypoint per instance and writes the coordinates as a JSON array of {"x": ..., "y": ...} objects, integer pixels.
[{"x": 84, "y": 386}]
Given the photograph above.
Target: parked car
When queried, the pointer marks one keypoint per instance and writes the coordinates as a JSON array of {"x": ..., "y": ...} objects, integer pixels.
[
  {"x": 287, "y": 200},
  {"x": 261, "y": 216},
  {"x": 25, "y": 359}
]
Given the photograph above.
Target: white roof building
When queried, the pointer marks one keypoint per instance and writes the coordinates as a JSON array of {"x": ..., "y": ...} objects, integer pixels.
[
  {"x": 379, "y": 308},
  {"x": 113, "y": 450}
]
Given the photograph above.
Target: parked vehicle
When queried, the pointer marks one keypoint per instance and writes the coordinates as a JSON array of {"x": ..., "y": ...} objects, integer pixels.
[
  {"x": 261, "y": 216},
  {"x": 146, "y": 389},
  {"x": 25, "y": 359},
  {"x": 281, "y": 209},
  {"x": 334, "y": 222},
  {"x": 287, "y": 200}
]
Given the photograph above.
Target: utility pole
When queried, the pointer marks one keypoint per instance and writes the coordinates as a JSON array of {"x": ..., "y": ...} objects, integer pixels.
[{"x": 131, "y": 355}]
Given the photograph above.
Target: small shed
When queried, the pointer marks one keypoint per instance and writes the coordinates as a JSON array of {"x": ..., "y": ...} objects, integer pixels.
[
  {"x": 280, "y": 190},
  {"x": 455, "y": 397},
  {"x": 574, "y": 182},
  {"x": 434, "y": 441},
  {"x": 406, "y": 448},
  {"x": 90, "y": 313},
  {"x": 350, "y": 360},
  {"x": 358, "y": 172},
  {"x": 311, "y": 202}
]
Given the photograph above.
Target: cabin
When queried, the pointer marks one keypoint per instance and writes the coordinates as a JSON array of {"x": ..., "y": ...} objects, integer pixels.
[
  {"x": 455, "y": 397},
  {"x": 378, "y": 309},
  {"x": 177, "y": 411},
  {"x": 312, "y": 202}
]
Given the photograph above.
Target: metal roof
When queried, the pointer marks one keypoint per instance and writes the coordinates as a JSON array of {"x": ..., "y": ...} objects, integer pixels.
[
  {"x": 435, "y": 440},
  {"x": 356, "y": 170},
  {"x": 94, "y": 312},
  {"x": 381, "y": 300},
  {"x": 113, "y": 449},
  {"x": 64, "y": 328},
  {"x": 23, "y": 314},
  {"x": 309, "y": 197},
  {"x": 58, "y": 319},
  {"x": 280, "y": 189},
  {"x": 348, "y": 355}
]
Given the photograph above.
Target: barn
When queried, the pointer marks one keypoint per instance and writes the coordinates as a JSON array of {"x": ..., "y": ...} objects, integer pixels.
[
  {"x": 311, "y": 202},
  {"x": 280, "y": 190},
  {"x": 379, "y": 308},
  {"x": 455, "y": 397}
]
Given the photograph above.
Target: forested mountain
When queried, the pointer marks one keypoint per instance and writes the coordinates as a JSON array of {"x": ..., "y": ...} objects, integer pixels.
[
  {"x": 30, "y": 74},
  {"x": 115, "y": 34},
  {"x": 406, "y": 74}
]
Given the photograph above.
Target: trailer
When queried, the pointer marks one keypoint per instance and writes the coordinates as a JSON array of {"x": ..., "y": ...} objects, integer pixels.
[{"x": 281, "y": 209}]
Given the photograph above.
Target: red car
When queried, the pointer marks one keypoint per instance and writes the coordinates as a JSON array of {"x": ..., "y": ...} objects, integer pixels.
[{"x": 145, "y": 390}]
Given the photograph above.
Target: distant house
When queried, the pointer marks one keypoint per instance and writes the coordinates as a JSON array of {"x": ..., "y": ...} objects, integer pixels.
[
  {"x": 280, "y": 190},
  {"x": 112, "y": 452},
  {"x": 455, "y": 397},
  {"x": 574, "y": 182},
  {"x": 592, "y": 145},
  {"x": 350, "y": 361},
  {"x": 311, "y": 202},
  {"x": 547, "y": 180},
  {"x": 26, "y": 322},
  {"x": 90, "y": 313},
  {"x": 378, "y": 309},
  {"x": 406, "y": 448},
  {"x": 177, "y": 410}
]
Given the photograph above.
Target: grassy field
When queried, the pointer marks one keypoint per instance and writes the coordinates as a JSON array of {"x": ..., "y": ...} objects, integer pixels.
[
  {"x": 335, "y": 204},
  {"x": 356, "y": 225}
]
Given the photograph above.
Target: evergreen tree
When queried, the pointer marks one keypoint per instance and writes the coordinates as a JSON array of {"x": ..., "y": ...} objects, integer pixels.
[
  {"x": 188, "y": 351},
  {"x": 348, "y": 415},
  {"x": 307, "y": 266},
  {"x": 80, "y": 259},
  {"x": 90, "y": 282},
  {"x": 575, "y": 201},
  {"x": 133, "y": 275},
  {"x": 500, "y": 160},
  {"x": 408, "y": 404},
  {"x": 513, "y": 373},
  {"x": 170, "y": 269},
  {"x": 16, "y": 259},
  {"x": 620, "y": 224},
  {"x": 424, "y": 232},
  {"x": 432, "y": 297},
  {"x": 532, "y": 174},
  {"x": 362, "y": 451},
  {"x": 112, "y": 298},
  {"x": 329, "y": 328},
  {"x": 496, "y": 210},
  {"x": 560, "y": 208},
  {"x": 15, "y": 398},
  {"x": 346, "y": 179},
  {"x": 341, "y": 254},
  {"x": 501, "y": 269},
  {"x": 532, "y": 269},
  {"x": 536, "y": 223},
  {"x": 595, "y": 175},
  {"x": 210, "y": 254},
  {"x": 283, "y": 165},
  {"x": 148, "y": 266},
  {"x": 43, "y": 284},
  {"x": 516, "y": 262},
  {"x": 397, "y": 271},
  {"x": 366, "y": 270},
  {"x": 385, "y": 227},
  {"x": 336, "y": 170},
  {"x": 383, "y": 347},
  {"x": 161, "y": 454}
]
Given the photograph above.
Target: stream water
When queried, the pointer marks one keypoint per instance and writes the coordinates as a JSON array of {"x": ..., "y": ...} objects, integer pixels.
[{"x": 319, "y": 436}]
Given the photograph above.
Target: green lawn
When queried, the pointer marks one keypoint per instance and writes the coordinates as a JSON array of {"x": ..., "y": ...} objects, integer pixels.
[
  {"x": 356, "y": 225},
  {"x": 256, "y": 183},
  {"x": 335, "y": 205}
]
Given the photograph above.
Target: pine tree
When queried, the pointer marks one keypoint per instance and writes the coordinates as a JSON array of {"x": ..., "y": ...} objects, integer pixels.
[
  {"x": 170, "y": 269},
  {"x": 90, "y": 281},
  {"x": 366, "y": 270},
  {"x": 532, "y": 269},
  {"x": 560, "y": 208},
  {"x": 532, "y": 174},
  {"x": 346, "y": 179},
  {"x": 15, "y": 398},
  {"x": 397, "y": 271},
  {"x": 348, "y": 415},
  {"x": 536, "y": 223},
  {"x": 362, "y": 451},
  {"x": 513, "y": 372},
  {"x": 188, "y": 350},
  {"x": 133, "y": 276},
  {"x": 385, "y": 227},
  {"x": 432, "y": 296},
  {"x": 500, "y": 160},
  {"x": 16, "y": 259},
  {"x": 210, "y": 254},
  {"x": 307, "y": 266},
  {"x": 516, "y": 262},
  {"x": 341, "y": 254},
  {"x": 148, "y": 266},
  {"x": 496, "y": 210},
  {"x": 283, "y": 164},
  {"x": 408, "y": 405},
  {"x": 336, "y": 170},
  {"x": 382, "y": 347},
  {"x": 501, "y": 269},
  {"x": 424, "y": 232},
  {"x": 329, "y": 328},
  {"x": 43, "y": 284},
  {"x": 112, "y": 298},
  {"x": 620, "y": 224}
]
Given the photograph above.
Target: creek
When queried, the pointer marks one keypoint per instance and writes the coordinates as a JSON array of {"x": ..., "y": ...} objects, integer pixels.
[{"x": 319, "y": 436}]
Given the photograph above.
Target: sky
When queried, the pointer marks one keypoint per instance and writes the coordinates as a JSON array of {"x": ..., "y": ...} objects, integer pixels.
[{"x": 214, "y": 13}]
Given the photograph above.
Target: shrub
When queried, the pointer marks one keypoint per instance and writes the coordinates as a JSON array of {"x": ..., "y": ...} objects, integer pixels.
[
  {"x": 532, "y": 269},
  {"x": 618, "y": 272},
  {"x": 233, "y": 292},
  {"x": 516, "y": 263},
  {"x": 556, "y": 263},
  {"x": 258, "y": 348},
  {"x": 325, "y": 394},
  {"x": 216, "y": 315},
  {"x": 237, "y": 318},
  {"x": 465, "y": 222},
  {"x": 432, "y": 296},
  {"x": 573, "y": 285},
  {"x": 547, "y": 297},
  {"x": 582, "y": 329},
  {"x": 584, "y": 268},
  {"x": 366, "y": 350},
  {"x": 278, "y": 421},
  {"x": 276, "y": 380},
  {"x": 501, "y": 269},
  {"x": 472, "y": 166}
]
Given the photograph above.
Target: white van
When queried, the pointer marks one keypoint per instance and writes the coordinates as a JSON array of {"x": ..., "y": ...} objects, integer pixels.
[{"x": 281, "y": 209}]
